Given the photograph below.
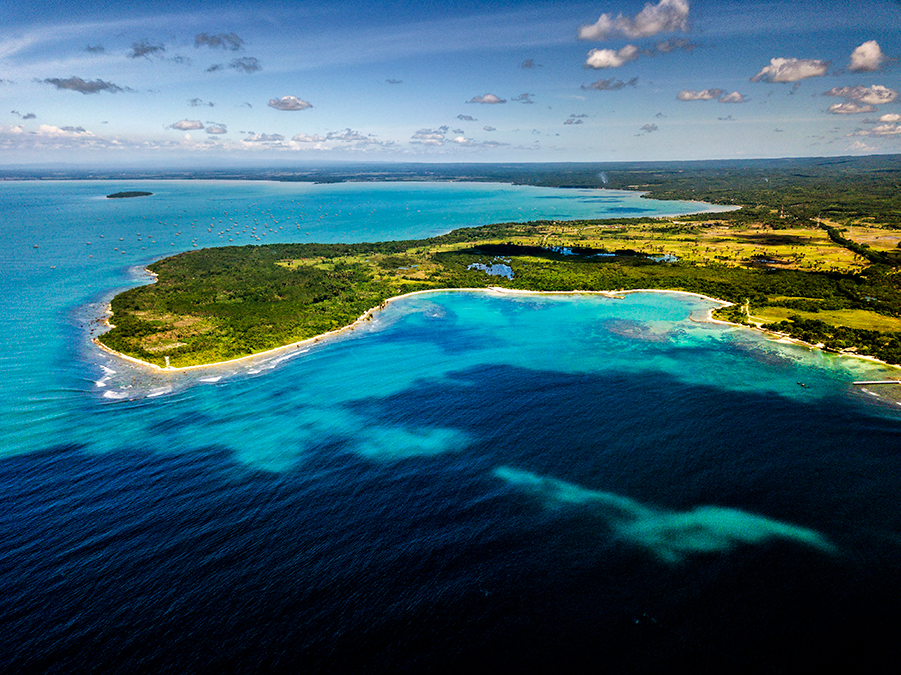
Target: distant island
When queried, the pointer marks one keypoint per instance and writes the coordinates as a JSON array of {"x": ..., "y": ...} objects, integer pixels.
[
  {"x": 128, "y": 195},
  {"x": 813, "y": 253}
]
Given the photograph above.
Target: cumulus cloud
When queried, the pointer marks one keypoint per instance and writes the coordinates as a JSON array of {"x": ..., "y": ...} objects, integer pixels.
[
  {"x": 703, "y": 95},
  {"x": 67, "y": 131},
  {"x": 264, "y": 138},
  {"x": 488, "y": 128},
  {"x": 468, "y": 142},
  {"x": 25, "y": 116},
  {"x": 216, "y": 128},
  {"x": 144, "y": 49},
  {"x": 187, "y": 125},
  {"x": 227, "y": 41},
  {"x": 872, "y": 95},
  {"x": 734, "y": 97},
  {"x": 467, "y": 118},
  {"x": 347, "y": 135},
  {"x": 458, "y": 132},
  {"x": 528, "y": 64},
  {"x": 246, "y": 64},
  {"x": 82, "y": 86},
  {"x": 791, "y": 70},
  {"x": 610, "y": 85},
  {"x": 851, "y": 108},
  {"x": 611, "y": 58},
  {"x": 890, "y": 129},
  {"x": 487, "y": 98},
  {"x": 860, "y": 146},
  {"x": 307, "y": 138},
  {"x": 430, "y": 136},
  {"x": 868, "y": 57},
  {"x": 667, "y": 16},
  {"x": 524, "y": 98},
  {"x": 289, "y": 103},
  {"x": 887, "y": 130},
  {"x": 890, "y": 117}
]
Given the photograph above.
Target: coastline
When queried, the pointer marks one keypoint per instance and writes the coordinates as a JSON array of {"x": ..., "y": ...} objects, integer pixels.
[{"x": 369, "y": 313}]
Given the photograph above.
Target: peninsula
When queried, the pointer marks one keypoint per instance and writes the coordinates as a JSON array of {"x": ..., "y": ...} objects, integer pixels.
[{"x": 813, "y": 256}]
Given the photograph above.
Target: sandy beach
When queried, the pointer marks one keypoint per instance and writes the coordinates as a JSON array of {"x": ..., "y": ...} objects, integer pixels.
[{"x": 498, "y": 290}]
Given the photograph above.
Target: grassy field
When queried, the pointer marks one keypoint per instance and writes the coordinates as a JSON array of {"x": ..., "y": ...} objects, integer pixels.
[
  {"x": 217, "y": 304},
  {"x": 851, "y": 318}
]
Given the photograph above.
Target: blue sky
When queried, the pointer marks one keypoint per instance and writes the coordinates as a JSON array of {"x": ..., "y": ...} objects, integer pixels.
[{"x": 216, "y": 83}]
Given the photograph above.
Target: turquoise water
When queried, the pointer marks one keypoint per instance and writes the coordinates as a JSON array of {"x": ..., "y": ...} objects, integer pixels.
[{"x": 470, "y": 479}]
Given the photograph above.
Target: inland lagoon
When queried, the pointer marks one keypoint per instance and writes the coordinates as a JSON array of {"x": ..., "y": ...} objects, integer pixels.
[{"x": 470, "y": 479}]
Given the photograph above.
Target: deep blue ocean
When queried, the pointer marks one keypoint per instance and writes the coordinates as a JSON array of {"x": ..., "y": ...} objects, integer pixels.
[{"x": 471, "y": 481}]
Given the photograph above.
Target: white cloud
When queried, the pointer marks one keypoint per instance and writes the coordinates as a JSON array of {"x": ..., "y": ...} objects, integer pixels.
[
  {"x": 64, "y": 132},
  {"x": 347, "y": 136},
  {"x": 665, "y": 16},
  {"x": 488, "y": 128},
  {"x": 850, "y": 108},
  {"x": 487, "y": 98},
  {"x": 734, "y": 97},
  {"x": 289, "y": 103},
  {"x": 791, "y": 70},
  {"x": 860, "y": 146},
  {"x": 307, "y": 138},
  {"x": 868, "y": 57},
  {"x": 887, "y": 130},
  {"x": 873, "y": 95},
  {"x": 216, "y": 129},
  {"x": 703, "y": 95},
  {"x": 611, "y": 58},
  {"x": 890, "y": 117},
  {"x": 430, "y": 136},
  {"x": 187, "y": 125},
  {"x": 264, "y": 138}
]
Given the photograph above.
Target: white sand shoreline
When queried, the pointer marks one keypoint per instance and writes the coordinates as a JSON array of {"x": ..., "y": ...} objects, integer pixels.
[{"x": 499, "y": 290}]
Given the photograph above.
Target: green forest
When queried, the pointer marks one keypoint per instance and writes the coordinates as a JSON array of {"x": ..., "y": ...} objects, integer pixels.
[{"x": 788, "y": 260}]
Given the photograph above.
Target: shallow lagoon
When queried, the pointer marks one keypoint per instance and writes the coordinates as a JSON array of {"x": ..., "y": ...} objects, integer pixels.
[{"x": 470, "y": 478}]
